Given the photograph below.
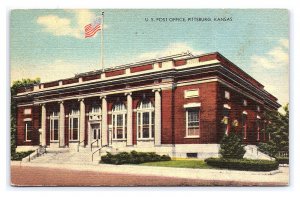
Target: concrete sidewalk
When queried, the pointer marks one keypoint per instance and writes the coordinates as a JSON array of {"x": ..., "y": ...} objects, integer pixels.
[{"x": 278, "y": 177}]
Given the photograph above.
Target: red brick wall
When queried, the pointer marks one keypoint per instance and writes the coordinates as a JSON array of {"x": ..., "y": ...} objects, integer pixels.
[
  {"x": 115, "y": 73},
  {"x": 21, "y": 125},
  {"x": 51, "y": 84},
  {"x": 141, "y": 68},
  {"x": 70, "y": 81},
  {"x": 207, "y": 98},
  {"x": 91, "y": 77},
  {"x": 166, "y": 116},
  {"x": 179, "y": 62},
  {"x": 235, "y": 113}
]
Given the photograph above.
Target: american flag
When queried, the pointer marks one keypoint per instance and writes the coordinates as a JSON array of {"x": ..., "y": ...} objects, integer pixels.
[{"x": 92, "y": 28}]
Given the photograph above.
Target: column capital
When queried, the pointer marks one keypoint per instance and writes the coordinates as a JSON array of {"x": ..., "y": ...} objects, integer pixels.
[
  {"x": 42, "y": 104},
  {"x": 61, "y": 102},
  {"x": 81, "y": 99},
  {"x": 102, "y": 96},
  {"x": 156, "y": 90},
  {"x": 128, "y": 93}
]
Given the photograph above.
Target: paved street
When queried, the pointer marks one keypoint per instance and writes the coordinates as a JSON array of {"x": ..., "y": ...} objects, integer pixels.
[{"x": 29, "y": 174}]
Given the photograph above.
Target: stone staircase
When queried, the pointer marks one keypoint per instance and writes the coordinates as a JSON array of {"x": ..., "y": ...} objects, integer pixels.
[
  {"x": 252, "y": 152},
  {"x": 71, "y": 156}
]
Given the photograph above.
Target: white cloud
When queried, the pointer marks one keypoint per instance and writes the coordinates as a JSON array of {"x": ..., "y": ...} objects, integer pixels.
[
  {"x": 284, "y": 43},
  {"x": 276, "y": 57},
  {"x": 73, "y": 26},
  {"x": 272, "y": 70},
  {"x": 58, "y": 69}
]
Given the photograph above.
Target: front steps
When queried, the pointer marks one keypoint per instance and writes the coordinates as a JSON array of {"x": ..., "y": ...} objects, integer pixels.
[
  {"x": 71, "y": 156},
  {"x": 252, "y": 152}
]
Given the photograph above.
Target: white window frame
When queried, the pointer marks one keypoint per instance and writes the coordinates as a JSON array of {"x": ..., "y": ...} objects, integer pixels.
[
  {"x": 139, "y": 112},
  {"x": 26, "y": 131},
  {"x": 119, "y": 109},
  {"x": 54, "y": 116},
  {"x": 187, "y": 122},
  {"x": 227, "y": 95},
  {"x": 72, "y": 115}
]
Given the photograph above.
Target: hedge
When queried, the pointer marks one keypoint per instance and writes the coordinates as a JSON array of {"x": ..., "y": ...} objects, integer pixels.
[
  {"x": 282, "y": 160},
  {"x": 133, "y": 158},
  {"x": 243, "y": 164},
  {"x": 18, "y": 156}
]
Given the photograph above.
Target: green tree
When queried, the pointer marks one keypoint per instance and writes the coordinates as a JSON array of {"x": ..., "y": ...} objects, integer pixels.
[
  {"x": 13, "y": 107},
  {"x": 232, "y": 147},
  {"x": 278, "y": 128}
]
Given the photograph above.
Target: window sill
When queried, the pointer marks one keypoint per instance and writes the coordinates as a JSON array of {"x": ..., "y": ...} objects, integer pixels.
[
  {"x": 27, "y": 141},
  {"x": 145, "y": 139},
  {"x": 54, "y": 141},
  {"x": 123, "y": 139},
  {"x": 73, "y": 141},
  {"x": 191, "y": 137}
]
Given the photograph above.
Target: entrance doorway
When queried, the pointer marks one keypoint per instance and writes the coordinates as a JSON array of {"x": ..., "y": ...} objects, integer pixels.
[{"x": 95, "y": 131}]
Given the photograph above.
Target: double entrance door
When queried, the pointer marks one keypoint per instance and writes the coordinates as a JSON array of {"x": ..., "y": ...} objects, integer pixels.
[{"x": 95, "y": 132}]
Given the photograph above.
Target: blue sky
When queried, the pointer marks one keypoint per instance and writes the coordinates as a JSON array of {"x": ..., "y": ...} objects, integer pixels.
[{"x": 50, "y": 44}]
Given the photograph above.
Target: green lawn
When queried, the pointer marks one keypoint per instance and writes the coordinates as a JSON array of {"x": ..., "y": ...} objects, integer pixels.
[{"x": 182, "y": 163}]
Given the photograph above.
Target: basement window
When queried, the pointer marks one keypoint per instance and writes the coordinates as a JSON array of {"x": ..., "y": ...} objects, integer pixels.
[{"x": 192, "y": 155}]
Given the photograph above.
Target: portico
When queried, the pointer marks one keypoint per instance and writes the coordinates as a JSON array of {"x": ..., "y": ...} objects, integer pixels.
[{"x": 111, "y": 119}]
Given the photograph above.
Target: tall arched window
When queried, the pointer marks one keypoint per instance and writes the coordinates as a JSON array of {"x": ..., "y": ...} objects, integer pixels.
[
  {"x": 119, "y": 115},
  {"x": 74, "y": 124},
  {"x": 145, "y": 120}
]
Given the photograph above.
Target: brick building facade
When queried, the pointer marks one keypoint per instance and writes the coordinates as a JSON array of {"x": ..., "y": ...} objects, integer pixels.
[{"x": 174, "y": 105}]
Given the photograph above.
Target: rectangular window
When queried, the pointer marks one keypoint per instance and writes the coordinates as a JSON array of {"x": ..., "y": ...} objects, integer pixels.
[
  {"x": 145, "y": 124},
  {"x": 227, "y": 95},
  {"x": 119, "y": 126},
  {"x": 244, "y": 125},
  {"x": 54, "y": 129},
  {"x": 28, "y": 131},
  {"x": 192, "y": 122},
  {"x": 258, "y": 128},
  {"x": 74, "y": 128}
]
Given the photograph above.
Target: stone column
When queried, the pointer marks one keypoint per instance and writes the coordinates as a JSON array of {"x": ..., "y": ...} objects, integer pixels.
[
  {"x": 104, "y": 129},
  {"x": 43, "y": 125},
  {"x": 82, "y": 120},
  {"x": 129, "y": 118},
  {"x": 61, "y": 124},
  {"x": 157, "y": 113}
]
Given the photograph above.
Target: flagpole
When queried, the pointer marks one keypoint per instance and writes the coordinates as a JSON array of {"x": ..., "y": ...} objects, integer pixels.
[{"x": 102, "y": 44}]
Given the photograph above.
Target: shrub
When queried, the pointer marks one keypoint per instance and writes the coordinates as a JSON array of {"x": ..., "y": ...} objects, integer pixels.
[
  {"x": 18, "y": 156},
  {"x": 268, "y": 149},
  {"x": 133, "y": 158},
  {"x": 231, "y": 146},
  {"x": 243, "y": 164},
  {"x": 282, "y": 160}
]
